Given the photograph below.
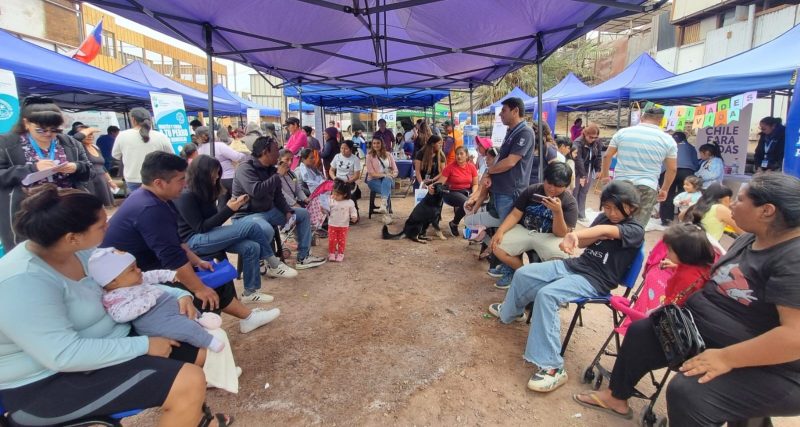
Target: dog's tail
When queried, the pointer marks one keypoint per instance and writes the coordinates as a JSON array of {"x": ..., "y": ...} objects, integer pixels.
[{"x": 387, "y": 235}]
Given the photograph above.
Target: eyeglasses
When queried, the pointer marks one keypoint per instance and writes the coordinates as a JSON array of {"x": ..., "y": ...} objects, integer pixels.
[{"x": 41, "y": 131}]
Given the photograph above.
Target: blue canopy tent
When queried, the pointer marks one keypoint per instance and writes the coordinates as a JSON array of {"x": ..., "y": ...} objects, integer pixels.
[
  {"x": 71, "y": 83},
  {"x": 193, "y": 99},
  {"x": 766, "y": 68},
  {"x": 366, "y": 97},
  {"x": 307, "y": 108},
  {"x": 222, "y": 92},
  {"x": 569, "y": 85},
  {"x": 616, "y": 90},
  {"x": 390, "y": 43},
  {"x": 515, "y": 93}
]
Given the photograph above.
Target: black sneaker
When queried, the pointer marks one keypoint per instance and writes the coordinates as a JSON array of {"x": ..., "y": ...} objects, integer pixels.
[{"x": 453, "y": 228}]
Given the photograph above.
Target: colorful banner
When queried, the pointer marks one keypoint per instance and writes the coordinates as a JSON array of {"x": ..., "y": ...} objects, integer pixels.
[
  {"x": 791, "y": 158},
  {"x": 9, "y": 101},
  {"x": 170, "y": 118}
]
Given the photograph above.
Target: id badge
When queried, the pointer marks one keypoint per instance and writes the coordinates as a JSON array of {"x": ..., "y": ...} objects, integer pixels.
[{"x": 764, "y": 164}]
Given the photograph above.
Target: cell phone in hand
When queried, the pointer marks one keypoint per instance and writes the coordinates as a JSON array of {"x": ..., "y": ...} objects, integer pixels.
[{"x": 539, "y": 198}]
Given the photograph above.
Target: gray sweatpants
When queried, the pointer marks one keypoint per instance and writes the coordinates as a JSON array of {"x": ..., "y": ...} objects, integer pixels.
[{"x": 165, "y": 320}]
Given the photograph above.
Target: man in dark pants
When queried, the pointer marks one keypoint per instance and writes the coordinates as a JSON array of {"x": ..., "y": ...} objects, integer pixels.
[
  {"x": 146, "y": 225},
  {"x": 688, "y": 163}
]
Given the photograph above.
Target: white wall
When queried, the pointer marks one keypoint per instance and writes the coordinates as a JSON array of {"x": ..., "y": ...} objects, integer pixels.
[
  {"x": 682, "y": 8},
  {"x": 725, "y": 42},
  {"x": 23, "y": 16},
  {"x": 771, "y": 25},
  {"x": 690, "y": 58},
  {"x": 666, "y": 58}
]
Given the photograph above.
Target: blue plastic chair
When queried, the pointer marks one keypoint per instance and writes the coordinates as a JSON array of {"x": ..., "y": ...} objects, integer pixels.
[
  {"x": 114, "y": 420},
  {"x": 629, "y": 281}
]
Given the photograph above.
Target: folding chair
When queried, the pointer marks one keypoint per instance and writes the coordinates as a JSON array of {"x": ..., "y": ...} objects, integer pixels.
[
  {"x": 113, "y": 420},
  {"x": 629, "y": 281}
]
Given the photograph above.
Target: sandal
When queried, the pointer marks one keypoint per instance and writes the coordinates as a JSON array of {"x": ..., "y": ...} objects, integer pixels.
[
  {"x": 222, "y": 419},
  {"x": 599, "y": 405}
]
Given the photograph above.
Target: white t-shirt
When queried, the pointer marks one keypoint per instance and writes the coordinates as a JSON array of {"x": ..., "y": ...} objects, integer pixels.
[
  {"x": 131, "y": 149},
  {"x": 346, "y": 167}
]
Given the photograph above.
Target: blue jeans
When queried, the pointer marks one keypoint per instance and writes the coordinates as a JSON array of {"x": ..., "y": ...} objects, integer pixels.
[
  {"x": 243, "y": 238},
  {"x": 503, "y": 204},
  {"x": 547, "y": 285},
  {"x": 381, "y": 185},
  {"x": 133, "y": 186},
  {"x": 265, "y": 220}
]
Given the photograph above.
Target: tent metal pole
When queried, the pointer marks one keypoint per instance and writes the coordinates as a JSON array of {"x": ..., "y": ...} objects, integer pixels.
[
  {"x": 540, "y": 104},
  {"x": 210, "y": 83},
  {"x": 619, "y": 113},
  {"x": 471, "y": 107},
  {"x": 300, "y": 104},
  {"x": 772, "y": 105},
  {"x": 452, "y": 119}
]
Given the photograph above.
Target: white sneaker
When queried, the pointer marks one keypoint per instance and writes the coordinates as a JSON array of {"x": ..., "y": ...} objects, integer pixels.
[
  {"x": 387, "y": 219},
  {"x": 257, "y": 319},
  {"x": 282, "y": 271},
  {"x": 309, "y": 262},
  {"x": 257, "y": 297},
  {"x": 545, "y": 381}
]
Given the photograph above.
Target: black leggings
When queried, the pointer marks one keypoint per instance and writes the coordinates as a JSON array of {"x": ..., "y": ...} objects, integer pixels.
[
  {"x": 738, "y": 395},
  {"x": 456, "y": 199}
]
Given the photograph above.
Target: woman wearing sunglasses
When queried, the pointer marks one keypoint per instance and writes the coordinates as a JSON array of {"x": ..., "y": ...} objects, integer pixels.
[{"x": 36, "y": 144}]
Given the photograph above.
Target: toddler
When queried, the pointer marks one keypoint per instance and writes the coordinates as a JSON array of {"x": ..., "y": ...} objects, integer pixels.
[
  {"x": 690, "y": 254},
  {"x": 153, "y": 309},
  {"x": 343, "y": 211},
  {"x": 691, "y": 194}
]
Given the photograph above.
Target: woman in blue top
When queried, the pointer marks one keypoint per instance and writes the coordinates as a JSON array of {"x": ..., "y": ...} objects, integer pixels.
[
  {"x": 712, "y": 167},
  {"x": 54, "y": 331}
]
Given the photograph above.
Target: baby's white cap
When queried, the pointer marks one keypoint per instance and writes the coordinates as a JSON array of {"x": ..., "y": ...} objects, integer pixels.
[{"x": 106, "y": 264}]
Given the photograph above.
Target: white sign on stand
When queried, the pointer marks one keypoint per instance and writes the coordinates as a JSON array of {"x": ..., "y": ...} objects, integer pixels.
[
  {"x": 9, "y": 101},
  {"x": 253, "y": 116},
  {"x": 498, "y": 129},
  {"x": 170, "y": 118}
]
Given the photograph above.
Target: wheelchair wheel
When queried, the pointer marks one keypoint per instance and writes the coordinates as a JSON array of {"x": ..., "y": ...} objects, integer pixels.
[
  {"x": 588, "y": 375},
  {"x": 648, "y": 418}
]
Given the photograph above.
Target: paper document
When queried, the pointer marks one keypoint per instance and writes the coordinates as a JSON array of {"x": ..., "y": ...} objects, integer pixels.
[{"x": 40, "y": 175}]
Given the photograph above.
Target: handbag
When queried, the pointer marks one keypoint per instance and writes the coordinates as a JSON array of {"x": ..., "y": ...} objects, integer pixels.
[{"x": 677, "y": 333}]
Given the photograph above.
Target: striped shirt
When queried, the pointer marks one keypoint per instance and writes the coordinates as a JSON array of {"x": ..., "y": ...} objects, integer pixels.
[{"x": 641, "y": 150}]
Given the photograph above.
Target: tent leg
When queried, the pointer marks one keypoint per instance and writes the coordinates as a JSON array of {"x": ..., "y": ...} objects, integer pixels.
[
  {"x": 452, "y": 119},
  {"x": 300, "y": 103},
  {"x": 540, "y": 104},
  {"x": 210, "y": 81},
  {"x": 772, "y": 105},
  {"x": 619, "y": 113},
  {"x": 471, "y": 107}
]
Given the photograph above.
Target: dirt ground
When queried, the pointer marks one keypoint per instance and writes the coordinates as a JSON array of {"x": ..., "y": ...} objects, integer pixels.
[{"x": 397, "y": 335}]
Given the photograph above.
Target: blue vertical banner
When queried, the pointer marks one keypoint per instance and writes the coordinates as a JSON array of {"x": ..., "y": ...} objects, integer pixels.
[
  {"x": 550, "y": 112},
  {"x": 9, "y": 101},
  {"x": 170, "y": 118},
  {"x": 791, "y": 158}
]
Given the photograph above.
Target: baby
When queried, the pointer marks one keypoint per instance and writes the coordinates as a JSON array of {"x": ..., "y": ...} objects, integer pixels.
[
  {"x": 153, "y": 309},
  {"x": 691, "y": 194}
]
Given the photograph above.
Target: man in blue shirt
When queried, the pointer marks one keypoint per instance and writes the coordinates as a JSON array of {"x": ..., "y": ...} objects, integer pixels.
[
  {"x": 146, "y": 226},
  {"x": 688, "y": 164},
  {"x": 105, "y": 143}
]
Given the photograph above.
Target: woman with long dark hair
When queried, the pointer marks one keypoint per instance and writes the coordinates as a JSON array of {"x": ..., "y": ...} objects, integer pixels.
[
  {"x": 711, "y": 166},
  {"x": 200, "y": 225},
  {"x": 36, "y": 144},
  {"x": 63, "y": 356},
  {"x": 429, "y": 162}
]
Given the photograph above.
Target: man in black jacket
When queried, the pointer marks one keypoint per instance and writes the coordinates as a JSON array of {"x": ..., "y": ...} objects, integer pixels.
[{"x": 261, "y": 180}]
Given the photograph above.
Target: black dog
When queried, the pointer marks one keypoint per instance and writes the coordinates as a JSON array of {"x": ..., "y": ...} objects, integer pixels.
[{"x": 428, "y": 212}]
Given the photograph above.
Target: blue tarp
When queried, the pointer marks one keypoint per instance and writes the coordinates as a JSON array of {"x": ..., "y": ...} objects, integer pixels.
[
  {"x": 294, "y": 106},
  {"x": 193, "y": 99},
  {"x": 616, "y": 89},
  {"x": 221, "y": 91},
  {"x": 569, "y": 85},
  {"x": 764, "y": 68},
  {"x": 71, "y": 83},
  {"x": 367, "y": 97},
  {"x": 516, "y": 92}
]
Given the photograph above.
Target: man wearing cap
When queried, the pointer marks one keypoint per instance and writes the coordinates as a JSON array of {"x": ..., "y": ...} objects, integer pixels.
[
  {"x": 385, "y": 134},
  {"x": 259, "y": 178},
  {"x": 641, "y": 150},
  {"x": 297, "y": 139}
]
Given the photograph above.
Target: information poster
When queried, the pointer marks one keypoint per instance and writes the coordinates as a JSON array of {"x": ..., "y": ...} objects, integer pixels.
[
  {"x": 9, "y": 101},
  {"x": 725, "y": 123},
  {"x": 253, "y": 116},
  {"x": 170, "y": 118},
  {"x": 99, "y": 120},
  {"x": 498, "y": 129},
  {"x": 391, "y": 120}
]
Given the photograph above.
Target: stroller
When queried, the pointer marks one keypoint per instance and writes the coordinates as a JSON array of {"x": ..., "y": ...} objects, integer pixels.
[{"x": 318, "y": 206}]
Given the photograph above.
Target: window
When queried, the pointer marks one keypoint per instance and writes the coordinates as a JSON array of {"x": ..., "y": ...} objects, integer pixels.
[
  {"x": 690, "y": 33},
  {"x": 153, "y": 60},
  {"x": 109, "y": 47},
  {"x": 200, "y": 75},
  {"x": 221, "y": 79},
  {"x": 166, "y": 66},
  {"x": 129, "y": 53},
  {"x": 186, "y": 71}
]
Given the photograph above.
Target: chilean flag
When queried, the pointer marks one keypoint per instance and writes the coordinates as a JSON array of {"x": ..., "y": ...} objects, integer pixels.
[{"x": 90, "y": 47}]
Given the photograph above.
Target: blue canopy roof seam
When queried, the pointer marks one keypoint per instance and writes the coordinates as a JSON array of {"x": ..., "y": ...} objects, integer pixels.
[
  {"x": 221, "y": 91},
  {"x": 193, "y": 100},
  {"x": 366, "y": 97},
  {"x": 768, "y": 67},
  {"x": 616, "y": 89}
]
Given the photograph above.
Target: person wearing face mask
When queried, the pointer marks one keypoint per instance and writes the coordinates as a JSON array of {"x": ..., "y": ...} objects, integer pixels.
[
  {"x": 36, "y": 144},
  {"x": 771, "y": 140}
]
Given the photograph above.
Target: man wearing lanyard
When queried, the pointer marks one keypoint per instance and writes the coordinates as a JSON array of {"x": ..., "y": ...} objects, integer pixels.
[{"x": 769, "y": 151}]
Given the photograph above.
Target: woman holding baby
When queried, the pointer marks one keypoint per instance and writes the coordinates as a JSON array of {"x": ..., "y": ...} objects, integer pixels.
[{"x": 54, "y": 330}]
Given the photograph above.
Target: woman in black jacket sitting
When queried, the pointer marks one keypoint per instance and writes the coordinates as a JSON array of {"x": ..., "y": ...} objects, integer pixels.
[
  {"x": 36, "y": 144},
  {"x": 200, "y": 225}
]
